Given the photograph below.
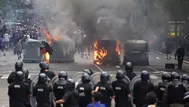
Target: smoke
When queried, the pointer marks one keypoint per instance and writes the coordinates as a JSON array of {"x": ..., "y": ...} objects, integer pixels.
[{"x": 99, "y": 19}]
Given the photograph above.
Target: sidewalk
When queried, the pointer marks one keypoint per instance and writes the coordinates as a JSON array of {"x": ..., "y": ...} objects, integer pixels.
[{"x": 186, "y": 58}]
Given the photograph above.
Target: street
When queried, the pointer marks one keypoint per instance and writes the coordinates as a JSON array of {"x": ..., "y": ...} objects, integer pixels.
[{"x": 157, "y": 64}]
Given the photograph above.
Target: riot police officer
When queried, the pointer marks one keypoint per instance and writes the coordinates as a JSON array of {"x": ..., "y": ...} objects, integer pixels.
[
  {"x": 19, "y": 92},
  {"x": 42, "y": 91},
  {"x": 174, "y": 93},
  {"x": 105, "y": 89},
  {"x": 141, "y": 88},
  {"x": 18, "y": 67},
  {"x": 179, "y": 55},
  {"x": 84, "y": 90},
  {"x": 71, "y": 97},
  {"x": 59, "y": 88},
  {"x": 129, "y": 70},
  {"x": 45, "y": 69},
  {"x": 161, "y": 87},
  {"x": 121, "y": 90},
  {"x": 26, "y": 76},
  {"x": 185, "y": 81}
]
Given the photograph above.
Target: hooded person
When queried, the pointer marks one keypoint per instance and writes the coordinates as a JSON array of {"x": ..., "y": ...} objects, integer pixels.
[{"x": 71, "y": 97}]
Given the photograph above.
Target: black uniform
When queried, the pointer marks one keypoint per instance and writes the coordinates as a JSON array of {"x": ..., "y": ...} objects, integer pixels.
[
  {"x": 105, "y": 89},
  {"x": 19, "y": 92},
  {"x": 85, "y": 90},
  {"x": 141, "y": 88},
  {"x": 161, "y": 87},
  {"x": 18, "y": 67},
  {"x": 42, "y": 92},
  {"x": 71, "y": 98},
  {"x": 59, "y": 88},
  {"x": 121, "y": 90},
  {"x": 129, "y": 71},
  {"x": 174, "y": 93},
  {"x": 179, "y": 54}
]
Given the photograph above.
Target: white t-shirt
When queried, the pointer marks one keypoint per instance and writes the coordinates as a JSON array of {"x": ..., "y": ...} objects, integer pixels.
[{"x": 6, "y": 37}]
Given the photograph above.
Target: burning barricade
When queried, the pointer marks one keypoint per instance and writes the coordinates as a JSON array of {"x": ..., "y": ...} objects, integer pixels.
[
  {"x": 55, "y": 49},
  {"x": 106, "y": 52}
]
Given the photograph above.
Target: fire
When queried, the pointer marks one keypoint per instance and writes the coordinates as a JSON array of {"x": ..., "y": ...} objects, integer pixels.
[
  {"x": 48, "y": 36},
  {"x": 49, "y": 39},
  {"x": 47, "y": 57},
  {"x": 118, "y": 50},
  {"x": 99, "y": 53},
  {"x": 56, "y": 38}
]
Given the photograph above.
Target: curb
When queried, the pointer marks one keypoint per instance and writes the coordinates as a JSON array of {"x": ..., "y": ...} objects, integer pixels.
[{"x": 186, "y": 62}]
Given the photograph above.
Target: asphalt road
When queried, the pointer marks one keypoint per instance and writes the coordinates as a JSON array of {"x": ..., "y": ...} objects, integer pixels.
[{"x": 157, "y": 64}]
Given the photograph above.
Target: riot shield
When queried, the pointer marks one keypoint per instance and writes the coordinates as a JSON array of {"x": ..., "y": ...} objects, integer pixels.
[
  {"x": 55, "y": 79},
  {"x": 77, "y": 78},
  {"x": 32, "y": 99},
  {"x": 32, "y": 85},
  {"x": 96, "y": 78}
]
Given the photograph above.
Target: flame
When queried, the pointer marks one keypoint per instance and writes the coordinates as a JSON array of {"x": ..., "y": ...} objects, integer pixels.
[
  {"x": 99, "y": 54},
  {"x": 118, "y": 50},
  {"x": 48, "y": 36},
  {"x": 49, "y": 39},
  {"x": 47, "y": 57},
  {"x": 56, "y": 37}
]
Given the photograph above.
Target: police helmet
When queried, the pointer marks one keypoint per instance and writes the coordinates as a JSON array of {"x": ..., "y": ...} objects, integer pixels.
[
  {"x": 86, "y": 77},
  {"x": 63, "y": 74},
  {"x": 166, "y": 76},
  {"x": 71, "y": 84},
  {"x": 44, "y": 65},
  {"x": 19, "y": 66},
  {"x": 175, "y": 75},
  {"x": 145, "y": 76},
  {"x": 104, "y": 77},
  {"x": 19, "y": 76},
  {"x": 89, "y": 71},
  {"x": 185, "y": 77},
  {"x": 120, "y": 75},
  {"x": 129, "y": 67},
  {"x": 42, "y": 78}
]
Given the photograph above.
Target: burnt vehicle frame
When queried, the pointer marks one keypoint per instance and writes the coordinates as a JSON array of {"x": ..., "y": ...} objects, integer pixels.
[{"x": 110, "y": 50}]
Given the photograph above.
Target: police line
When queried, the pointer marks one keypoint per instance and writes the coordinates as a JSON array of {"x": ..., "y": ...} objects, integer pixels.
[{"x": 95, "y": 78}]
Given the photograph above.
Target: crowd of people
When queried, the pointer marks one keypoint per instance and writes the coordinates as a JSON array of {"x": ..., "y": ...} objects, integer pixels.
[
  {"x": 171, "y": 92},
  {"x": 13, "y": 32}
]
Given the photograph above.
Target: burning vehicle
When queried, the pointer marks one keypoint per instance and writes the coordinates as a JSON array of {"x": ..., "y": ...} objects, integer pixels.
[
  {"x": 56, "y": 50},
  {"x": 106, "y": 52}
]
